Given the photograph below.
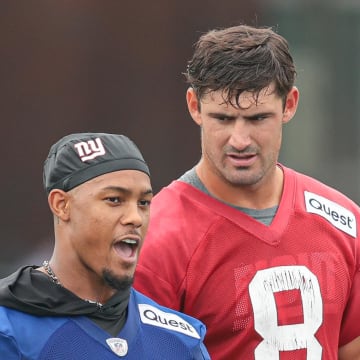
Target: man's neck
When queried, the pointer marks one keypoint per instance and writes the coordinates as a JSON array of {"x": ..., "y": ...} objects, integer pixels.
[{"x": 265, "y": 194}]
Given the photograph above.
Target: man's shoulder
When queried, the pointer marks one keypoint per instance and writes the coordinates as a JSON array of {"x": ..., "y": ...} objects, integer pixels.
[
  {"x": 166, "y": 319},
  {"x": 308, "y": 184},
  {"x": 183, "y": 197},
  {"x": 179, "y": 190}
]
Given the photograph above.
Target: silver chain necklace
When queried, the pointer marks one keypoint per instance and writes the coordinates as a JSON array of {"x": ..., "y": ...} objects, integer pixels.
[
  {"x": 54, "y": 279},
  {"x": 50, "y": 272}
]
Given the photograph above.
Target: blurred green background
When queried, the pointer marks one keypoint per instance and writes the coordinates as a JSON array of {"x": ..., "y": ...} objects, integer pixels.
[{"x": 116, "y": 66}]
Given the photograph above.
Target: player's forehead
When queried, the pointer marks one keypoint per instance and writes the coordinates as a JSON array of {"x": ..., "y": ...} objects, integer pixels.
[
  {"x": 245, "y": 100},
  {"x": 126, "y": 181}
]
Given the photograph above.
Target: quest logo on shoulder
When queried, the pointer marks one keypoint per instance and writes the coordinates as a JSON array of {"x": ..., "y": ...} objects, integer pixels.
[
  {"x": 337, "y": 215},
  {"x": 153, "y": 316}
]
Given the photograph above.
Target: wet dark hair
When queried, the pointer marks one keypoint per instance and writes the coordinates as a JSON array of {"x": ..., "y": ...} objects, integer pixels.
[{"x": 241, "y": 58}]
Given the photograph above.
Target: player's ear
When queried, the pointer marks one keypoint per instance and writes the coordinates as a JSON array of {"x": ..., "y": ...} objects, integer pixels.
[
  {"x": 59, "y": 204},
  {"x": 291, "y": 104},
  {"x": 193, "y": 104}
]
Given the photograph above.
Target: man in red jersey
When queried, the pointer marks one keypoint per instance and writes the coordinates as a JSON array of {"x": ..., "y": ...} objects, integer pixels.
[{"x": 266, "y": 257}]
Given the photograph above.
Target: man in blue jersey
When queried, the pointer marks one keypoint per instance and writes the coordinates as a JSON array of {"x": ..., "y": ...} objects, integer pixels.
[{"x": 80, "y": 303}]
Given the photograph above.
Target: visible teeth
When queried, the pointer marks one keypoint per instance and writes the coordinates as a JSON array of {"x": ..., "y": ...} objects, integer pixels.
[{"x": 130, "y": 241}]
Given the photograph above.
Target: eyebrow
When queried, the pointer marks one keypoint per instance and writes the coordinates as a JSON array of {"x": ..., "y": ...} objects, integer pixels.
[
  {"x": 260, "y": 113},
  {"x": 247, "y": 117},
  {"x": 126, "y": 190},
  {"x": 222, "y": 114}
]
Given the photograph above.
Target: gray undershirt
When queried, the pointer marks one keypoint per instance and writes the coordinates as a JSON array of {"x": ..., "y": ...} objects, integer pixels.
[{"x": 264, "y": 216}]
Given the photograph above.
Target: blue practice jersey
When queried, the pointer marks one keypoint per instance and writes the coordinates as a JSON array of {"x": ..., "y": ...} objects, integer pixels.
[{"x": 150, "y": 332}]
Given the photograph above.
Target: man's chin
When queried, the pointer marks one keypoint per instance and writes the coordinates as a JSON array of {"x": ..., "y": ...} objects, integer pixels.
[{"x": 116, "y": 282}]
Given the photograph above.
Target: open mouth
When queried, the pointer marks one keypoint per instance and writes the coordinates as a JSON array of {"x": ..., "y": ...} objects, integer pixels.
[{"x": 127, "y": 247}]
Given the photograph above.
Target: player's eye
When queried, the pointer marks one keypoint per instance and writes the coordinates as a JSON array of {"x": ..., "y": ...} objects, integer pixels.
[
  {"x": 113, "y": 199},
  {"x": 223, "y": 118},
  {"x": 144, "y": 203},
  {"x": 260, "y": 117}
]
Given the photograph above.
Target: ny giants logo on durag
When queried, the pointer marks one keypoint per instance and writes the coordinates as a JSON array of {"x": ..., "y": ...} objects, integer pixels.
[{"x": 90, "y": 149}]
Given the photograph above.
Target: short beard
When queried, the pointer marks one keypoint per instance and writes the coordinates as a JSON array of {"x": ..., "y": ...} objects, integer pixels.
[{"x": 116, "y": 282}]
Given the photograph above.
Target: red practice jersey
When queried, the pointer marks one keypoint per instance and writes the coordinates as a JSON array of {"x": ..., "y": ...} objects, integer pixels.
[{"x": 284, "y": 291}]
